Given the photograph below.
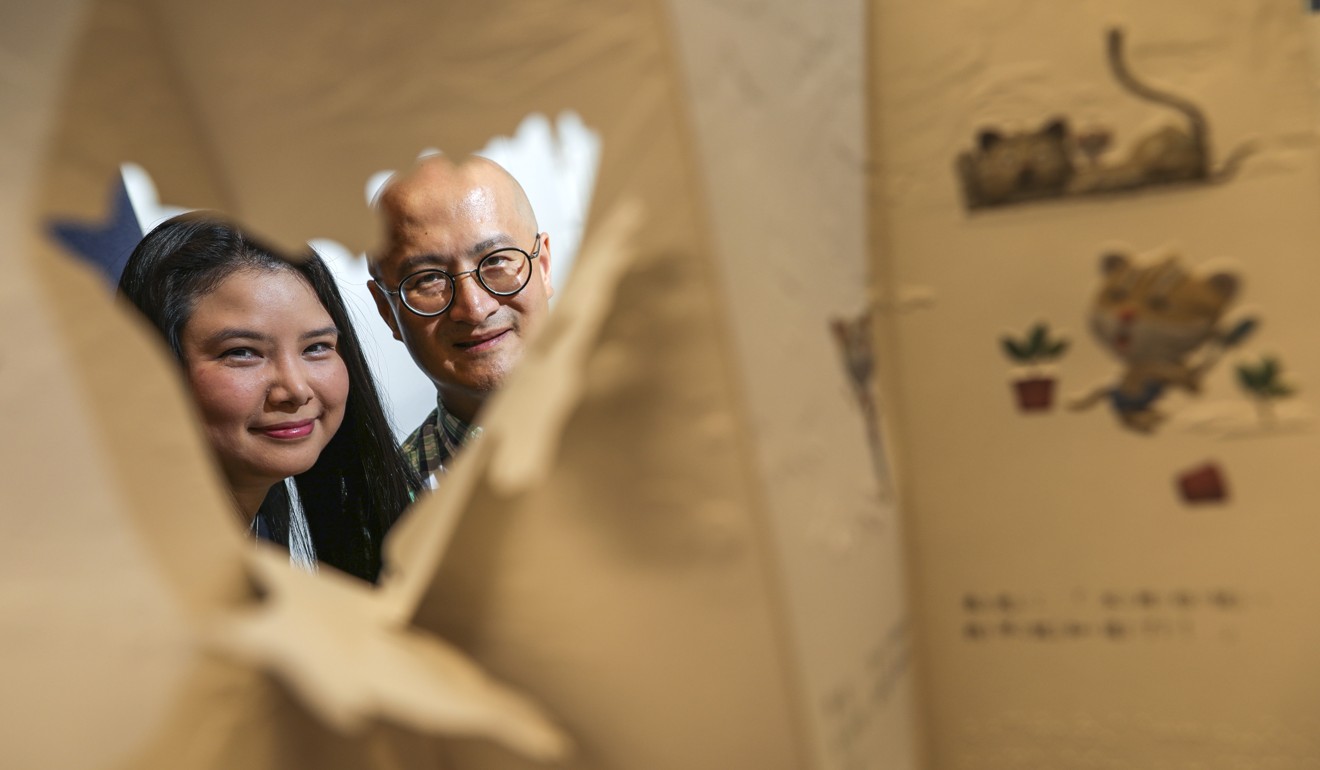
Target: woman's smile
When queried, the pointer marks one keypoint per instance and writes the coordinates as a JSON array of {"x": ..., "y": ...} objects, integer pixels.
[{"x": 289, "y": 430}]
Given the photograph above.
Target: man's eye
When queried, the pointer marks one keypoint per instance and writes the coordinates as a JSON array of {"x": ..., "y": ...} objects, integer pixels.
[{"x": 425, "y": 282}]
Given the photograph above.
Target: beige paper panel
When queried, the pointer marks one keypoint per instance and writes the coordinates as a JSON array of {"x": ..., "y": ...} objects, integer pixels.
[
  {"x": 633, "y": 593},
  {"x": 1076, "y": 613},
  {"x": 74, "y": 568},
  {"x": 121, "y": 100},
  {"x": 351, "y": 89},
  {"x": 779, "y": 101}
]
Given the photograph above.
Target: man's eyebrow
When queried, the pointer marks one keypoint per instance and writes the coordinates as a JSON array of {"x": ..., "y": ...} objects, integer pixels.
[
  {"x": 417, "y": 262},
  {"x": 490, "y": 244}
]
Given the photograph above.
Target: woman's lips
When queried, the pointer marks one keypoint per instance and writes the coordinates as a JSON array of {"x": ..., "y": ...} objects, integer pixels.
[
  {"x": 289, "y": 430},
  {"x": 483, "y": 343}
]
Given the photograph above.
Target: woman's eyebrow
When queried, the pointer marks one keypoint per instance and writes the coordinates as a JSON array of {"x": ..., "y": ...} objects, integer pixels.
[
  {"x": 325, "y": 331},
  {"x": 231, "y": 332}
]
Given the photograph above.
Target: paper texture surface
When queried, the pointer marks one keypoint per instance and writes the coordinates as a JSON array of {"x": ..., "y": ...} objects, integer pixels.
[
  {"x": 1077, "y": 610},
  {"x": 619, "y": 563}
]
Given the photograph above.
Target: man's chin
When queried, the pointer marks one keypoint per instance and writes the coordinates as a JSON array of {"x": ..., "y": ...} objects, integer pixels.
[{"x": 477, "y": 384}]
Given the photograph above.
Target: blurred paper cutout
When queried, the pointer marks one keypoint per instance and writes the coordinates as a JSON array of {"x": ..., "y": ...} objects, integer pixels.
[
  {"x": 855, "y": 337},
  {"x": 135, "y": 210},
  {"x": 1203, "y": 484},
  {"x": 1033, "y": 385},
  {"x": 146, "y": 201},
  {"x": 1164, "y": 325},
  {"x": 1054, "y": 162},
  {"x": 105, "y": 245},
  {"x": 526, "y": 433},
  {"x": 330, "y": 640}
]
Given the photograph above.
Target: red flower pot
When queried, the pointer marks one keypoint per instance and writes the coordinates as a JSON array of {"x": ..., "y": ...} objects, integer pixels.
[
  {"x": 1203, "y": 484},
  {"x": 1035, "y": 394}
]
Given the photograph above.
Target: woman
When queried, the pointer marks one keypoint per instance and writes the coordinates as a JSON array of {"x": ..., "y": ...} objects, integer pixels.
[{"x": 286, "y": 400}]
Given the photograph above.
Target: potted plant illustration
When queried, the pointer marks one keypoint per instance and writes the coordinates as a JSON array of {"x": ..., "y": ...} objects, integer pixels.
[
  {"x": 1204, "y": 483},
  {"x": 1033, "y": 352},
  {"x": 1262, "y": 383}
]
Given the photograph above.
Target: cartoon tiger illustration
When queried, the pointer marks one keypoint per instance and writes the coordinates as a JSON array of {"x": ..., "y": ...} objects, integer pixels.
[
  {"x": 1008, "y": 168},
  {"x": 1163, "y": 324},
  {"x": 1050, "y": 162}
]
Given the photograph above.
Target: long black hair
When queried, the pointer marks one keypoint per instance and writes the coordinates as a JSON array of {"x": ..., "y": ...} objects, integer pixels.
[{"x": 360, "y": 483}]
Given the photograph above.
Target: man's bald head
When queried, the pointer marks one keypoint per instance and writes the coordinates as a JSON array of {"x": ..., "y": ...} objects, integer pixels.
[{"x": 439, "y": 189}]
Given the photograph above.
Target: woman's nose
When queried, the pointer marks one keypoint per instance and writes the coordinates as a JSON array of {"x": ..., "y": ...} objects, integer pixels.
[{"x": 289, "y": 385}]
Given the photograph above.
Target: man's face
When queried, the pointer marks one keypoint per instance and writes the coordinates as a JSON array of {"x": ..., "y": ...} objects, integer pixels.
[{"x": 470, "y": 348}]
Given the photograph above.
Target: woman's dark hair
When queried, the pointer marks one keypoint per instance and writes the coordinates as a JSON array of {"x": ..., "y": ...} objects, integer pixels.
[{"x": 360, "y": 483}]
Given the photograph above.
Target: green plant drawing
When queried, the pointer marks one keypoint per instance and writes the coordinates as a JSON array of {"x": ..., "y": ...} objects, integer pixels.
[
  {"x": 1036, "y": 347},
  {"x": 1262, "y": 382}
]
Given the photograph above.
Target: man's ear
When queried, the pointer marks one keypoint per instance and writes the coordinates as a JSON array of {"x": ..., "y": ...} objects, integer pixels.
[
  {"x": 384, "y": 308},
  {"x": 544, "y": 259}
]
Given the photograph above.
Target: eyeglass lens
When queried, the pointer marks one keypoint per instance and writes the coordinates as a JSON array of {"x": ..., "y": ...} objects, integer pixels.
[{"x": 502, "y": 273}]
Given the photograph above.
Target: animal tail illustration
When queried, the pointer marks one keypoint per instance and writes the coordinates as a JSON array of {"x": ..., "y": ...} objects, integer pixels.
[
  {"x": 1195, "y": 117},
  {"x": 1229, "y": 168}
]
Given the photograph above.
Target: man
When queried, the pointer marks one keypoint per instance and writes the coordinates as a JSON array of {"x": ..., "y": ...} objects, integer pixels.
[{"x": 462, "y": 280}]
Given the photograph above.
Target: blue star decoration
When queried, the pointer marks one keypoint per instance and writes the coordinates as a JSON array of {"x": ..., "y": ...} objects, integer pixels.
[{"x": 106, "y": 246}]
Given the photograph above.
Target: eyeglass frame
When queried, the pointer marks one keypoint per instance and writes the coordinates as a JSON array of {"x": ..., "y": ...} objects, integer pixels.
[{"x": 453, "y": 279}]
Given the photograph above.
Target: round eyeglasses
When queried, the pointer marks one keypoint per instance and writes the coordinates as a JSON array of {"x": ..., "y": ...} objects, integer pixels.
[{"x": 503, "y": 272}]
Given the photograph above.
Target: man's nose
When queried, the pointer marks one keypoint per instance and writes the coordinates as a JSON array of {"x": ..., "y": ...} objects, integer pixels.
[
  {"x": 472, "y": 303},
  {"x": 289, "y": 385}
]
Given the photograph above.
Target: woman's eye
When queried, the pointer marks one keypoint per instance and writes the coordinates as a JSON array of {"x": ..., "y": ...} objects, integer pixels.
[
  {"x": 320, "y": 348},
  {"x": 239, "y": 354}
]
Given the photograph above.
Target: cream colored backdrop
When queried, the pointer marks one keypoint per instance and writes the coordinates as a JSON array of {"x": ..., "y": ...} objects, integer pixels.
[{"x": 1075, "y": 613}]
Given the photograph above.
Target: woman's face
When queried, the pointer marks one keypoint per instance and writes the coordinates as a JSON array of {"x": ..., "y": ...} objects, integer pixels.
[{"x": 260, "y": 353}]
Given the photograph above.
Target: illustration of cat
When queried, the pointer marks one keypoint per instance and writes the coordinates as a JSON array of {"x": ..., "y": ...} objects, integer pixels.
[
  {"x": 1166, "y": 155},
  {"x": 1052, "y": 162},
  {"x": 1162, "y": 323},
  {"x": 1017, "y": 167}
]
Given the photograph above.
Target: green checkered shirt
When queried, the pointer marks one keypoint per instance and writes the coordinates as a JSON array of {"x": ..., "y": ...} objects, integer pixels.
[{"x": 436, "y": 440}]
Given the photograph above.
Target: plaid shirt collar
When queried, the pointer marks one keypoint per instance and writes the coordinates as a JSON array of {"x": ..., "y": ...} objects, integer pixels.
[{"x": 437, "y": 439}]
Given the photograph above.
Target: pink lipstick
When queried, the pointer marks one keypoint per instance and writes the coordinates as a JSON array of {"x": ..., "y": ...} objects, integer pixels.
[{"x": 289, "y": 430}]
